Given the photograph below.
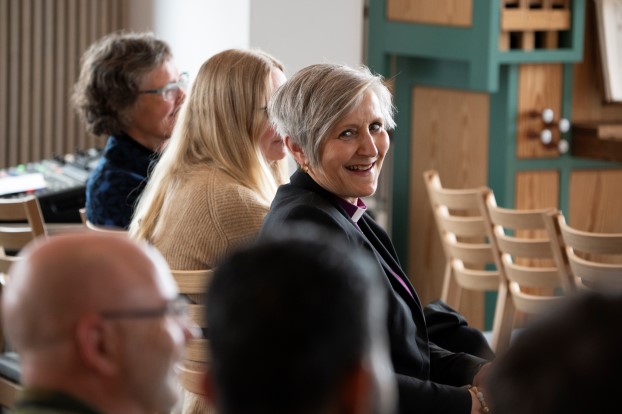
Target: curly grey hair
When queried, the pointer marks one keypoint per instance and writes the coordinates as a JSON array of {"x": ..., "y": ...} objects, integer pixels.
[{"x": 112, "y": 69}]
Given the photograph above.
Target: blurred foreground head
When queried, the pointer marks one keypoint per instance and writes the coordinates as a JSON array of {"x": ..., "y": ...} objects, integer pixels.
[
  {"x": 567, "y": 363},
  {"x": 297, "y": 325},
  {"x": 95, "y": 317}
]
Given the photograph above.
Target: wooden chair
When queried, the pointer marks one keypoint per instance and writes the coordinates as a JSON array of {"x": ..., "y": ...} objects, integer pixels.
[
  {"x": 194, "y": 284},
  {"x": 103, "y": 229},
  {"x": 21, "y": 221},
  {"x": 521, "y": 241},
  {"x": 82, "y": 212},
  {"x": 471, "y": 263},
  {"x": 590, "y": 260},
  {"x": 95, "y": 227}
]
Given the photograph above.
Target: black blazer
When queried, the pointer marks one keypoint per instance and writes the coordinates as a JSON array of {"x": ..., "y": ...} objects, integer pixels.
[{"x": 429, "y": 378}]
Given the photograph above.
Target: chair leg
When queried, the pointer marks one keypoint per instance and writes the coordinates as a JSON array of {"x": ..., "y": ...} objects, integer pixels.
[
  {"x": 452, "y": 291},
  {"x": 504, "y": 321}
]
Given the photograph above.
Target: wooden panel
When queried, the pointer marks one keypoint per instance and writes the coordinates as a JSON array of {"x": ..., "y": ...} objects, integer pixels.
[
  {"x": 596, "y": 200},
  {"x": 540, "y": 87},
  {"x": 40, "y": 45},
  {"x": 521, "y": 19},
  {"x": 443, "y": 12},
  {"x": 449, "y": 134},
  {"x": 587, "y": 98},
  {"x": 537, "y": 189},
  {"x": 601, "y": 141}
]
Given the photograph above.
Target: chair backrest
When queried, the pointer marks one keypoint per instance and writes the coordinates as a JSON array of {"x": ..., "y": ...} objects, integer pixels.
[
  {"x": 461, "y": 223},
  {"x": 21, "y": 221},
  {"x": 592, "y": 260},
  {"x": 526, "y": 253},
  {"x": 194, "y": 283},
  {"x": 104, "y": 229},
  {"x": 96, "y": 227}
]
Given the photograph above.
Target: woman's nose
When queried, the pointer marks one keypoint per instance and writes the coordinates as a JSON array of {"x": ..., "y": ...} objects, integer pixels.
[{"x": 368, "y": 145}]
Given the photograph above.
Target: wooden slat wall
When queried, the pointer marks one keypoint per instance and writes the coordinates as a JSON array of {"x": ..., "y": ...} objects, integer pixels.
[{"x": 41, "y": 42}]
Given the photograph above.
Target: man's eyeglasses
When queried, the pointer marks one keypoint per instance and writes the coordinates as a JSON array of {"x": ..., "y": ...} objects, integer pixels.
[
  {"x": 170, "y": 92},
  {"x": 176, "y": 308}
]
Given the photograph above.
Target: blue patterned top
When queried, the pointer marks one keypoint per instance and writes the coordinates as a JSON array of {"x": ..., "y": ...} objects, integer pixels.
[{"x": 116, "y": 182}]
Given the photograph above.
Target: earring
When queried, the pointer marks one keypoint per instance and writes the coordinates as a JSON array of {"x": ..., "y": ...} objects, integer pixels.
[{"x": 304, "y": 167}]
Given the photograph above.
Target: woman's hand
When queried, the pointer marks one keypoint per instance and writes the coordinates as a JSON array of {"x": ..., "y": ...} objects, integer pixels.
[
  {"x": 478, "y": 402},
  {"x": 476, "y": 406},
  {"x": 479, "y": 380}
]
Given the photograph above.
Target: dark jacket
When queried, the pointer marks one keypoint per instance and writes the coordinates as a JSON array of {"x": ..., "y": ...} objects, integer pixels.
[
  {"x": 429, "y": 377},
  {"x": 44, "y": 401}
]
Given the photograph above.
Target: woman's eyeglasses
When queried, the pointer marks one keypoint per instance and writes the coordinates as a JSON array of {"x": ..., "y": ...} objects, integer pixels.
[{"x": 170, "y": 92}]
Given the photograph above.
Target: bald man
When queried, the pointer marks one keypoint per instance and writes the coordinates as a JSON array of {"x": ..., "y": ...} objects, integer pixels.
[{"x": 98, "y": 326}]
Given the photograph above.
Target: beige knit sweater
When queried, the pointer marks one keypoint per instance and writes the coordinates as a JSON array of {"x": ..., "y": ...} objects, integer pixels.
[{"x": 206, "y": 217}]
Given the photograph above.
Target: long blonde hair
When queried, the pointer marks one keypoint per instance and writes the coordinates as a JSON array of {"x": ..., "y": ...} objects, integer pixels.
[{"x": 219, "y": 124}]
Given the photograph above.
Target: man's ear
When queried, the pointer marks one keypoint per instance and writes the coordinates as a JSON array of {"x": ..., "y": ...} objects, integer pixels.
[
  {"x": 357, "y": 391},
  {"x": 296, "y": 151},
  {"x": 208, "y": 387},
  {"x": 97, "y": 344}
]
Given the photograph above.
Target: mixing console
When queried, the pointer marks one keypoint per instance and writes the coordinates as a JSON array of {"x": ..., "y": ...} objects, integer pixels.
[{"x": 59, "y": 184}]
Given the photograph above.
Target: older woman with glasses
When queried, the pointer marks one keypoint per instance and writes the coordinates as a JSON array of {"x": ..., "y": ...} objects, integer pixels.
[
  {"x": 335, "y": 121},
  {"x": 129, "y": 89}
]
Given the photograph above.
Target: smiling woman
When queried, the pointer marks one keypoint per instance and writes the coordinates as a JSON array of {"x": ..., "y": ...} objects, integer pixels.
[
  {"x": 351, "y": 156},
  {"x": 335, "y": 121}
]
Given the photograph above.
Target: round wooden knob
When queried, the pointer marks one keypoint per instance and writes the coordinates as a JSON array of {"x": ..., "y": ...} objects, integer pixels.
[
  {"x": 546, "y": 136},
  {"x": 548, "y": 115},
  {"x": 563, "y": 146},
  {"x": 563, "y": 125}
]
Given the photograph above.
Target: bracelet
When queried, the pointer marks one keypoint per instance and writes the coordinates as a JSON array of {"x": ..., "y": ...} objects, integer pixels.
[{"x": 480, "y": 397}]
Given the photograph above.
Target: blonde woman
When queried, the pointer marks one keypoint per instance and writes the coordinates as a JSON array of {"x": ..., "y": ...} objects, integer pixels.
[
  {"x": 215, "y": 180},
  {"x": 218, "y": 175}
]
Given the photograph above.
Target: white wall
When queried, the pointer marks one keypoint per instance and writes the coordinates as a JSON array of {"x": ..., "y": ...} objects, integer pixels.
[
  {"x": 303, "y": 32},
  {"x": 297, "y": 32},
  {"x": 195, "y": 29}
]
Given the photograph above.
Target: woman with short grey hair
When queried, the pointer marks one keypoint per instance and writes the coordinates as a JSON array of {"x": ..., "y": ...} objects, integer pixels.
[
  {"x": 336, "y": 91},
  {"x": 335, "y": 120}
]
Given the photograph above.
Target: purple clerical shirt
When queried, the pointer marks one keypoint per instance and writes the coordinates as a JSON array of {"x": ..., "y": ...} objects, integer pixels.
[{"x": 355, "y": 212}]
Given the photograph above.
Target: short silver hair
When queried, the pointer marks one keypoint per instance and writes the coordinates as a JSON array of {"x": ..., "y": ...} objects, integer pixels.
[{"x": 309, "y": 105}]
